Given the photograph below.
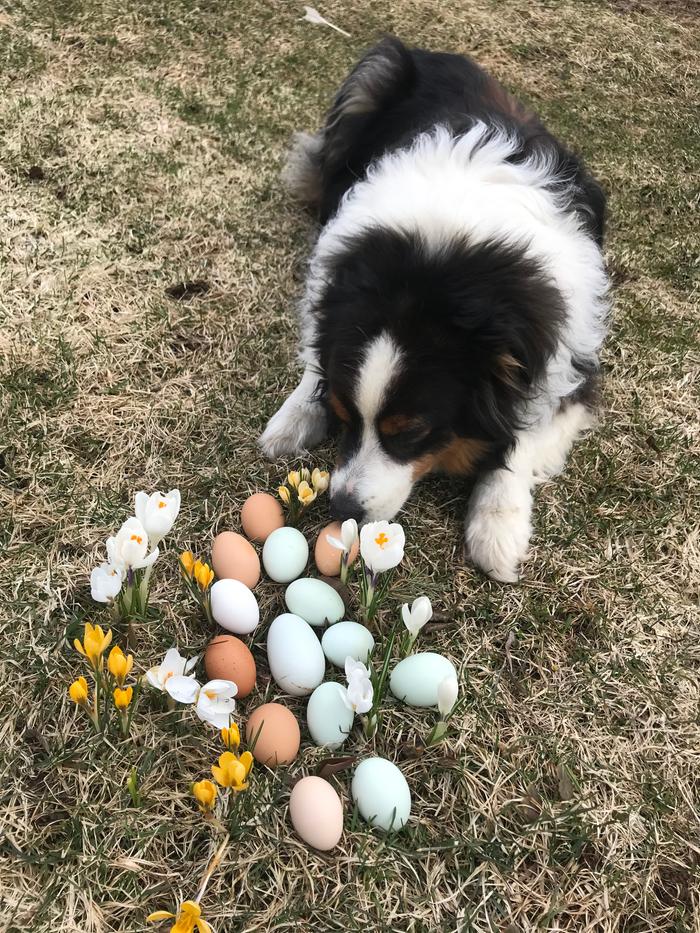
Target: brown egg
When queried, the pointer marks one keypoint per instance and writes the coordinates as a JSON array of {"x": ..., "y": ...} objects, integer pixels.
[
  {"x": 227, "y": 658},
  {"x": 277, "y": 732},
  {"x": 328, "y": 557},
  {"x": 261, "y": 515},
  {"x": 234, "y": 558}
]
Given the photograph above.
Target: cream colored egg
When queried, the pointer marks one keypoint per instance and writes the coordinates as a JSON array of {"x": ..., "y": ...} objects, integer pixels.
[{"x": 316, "y": 813}]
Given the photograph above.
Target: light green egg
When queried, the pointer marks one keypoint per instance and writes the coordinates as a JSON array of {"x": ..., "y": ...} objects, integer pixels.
[
  {"x": 416, "y": 679},
  {"x": 347, "y": 639},
  {"x": 381, "y": 793},
  {"x": 327, "y": 715},
  {"x": 285, "y": 554},
  {"x": 315, "y": 601}
]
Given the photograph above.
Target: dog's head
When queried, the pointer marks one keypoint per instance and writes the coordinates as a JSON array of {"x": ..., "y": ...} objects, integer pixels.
[{"x": 428, "y": 356}]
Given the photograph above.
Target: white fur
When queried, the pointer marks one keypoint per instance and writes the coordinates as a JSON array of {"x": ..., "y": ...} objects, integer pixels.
[
  {"x": 300, "y": 423},
  {"x": 499, "y": 520},
  {"x": 379, "y": 484}
]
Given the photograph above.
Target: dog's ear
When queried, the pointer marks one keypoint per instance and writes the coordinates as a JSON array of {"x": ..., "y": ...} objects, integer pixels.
[{"x": 384, "y": 74}]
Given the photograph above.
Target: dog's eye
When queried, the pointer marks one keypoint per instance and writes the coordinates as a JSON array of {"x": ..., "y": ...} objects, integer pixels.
[{"x": 403, "y": 428}]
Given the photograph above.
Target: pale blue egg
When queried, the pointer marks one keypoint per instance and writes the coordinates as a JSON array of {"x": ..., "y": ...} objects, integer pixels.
[
  {"x": 295, "y": 656},
  {"x": 315, "y": 601},
  {"x": 328, "y": 716},
  {"x": 381, "y": 793},
  {"x": 347, "y": 639},
  {"x": 285, "y": 554},
  {"x": 416, "y": 679}
]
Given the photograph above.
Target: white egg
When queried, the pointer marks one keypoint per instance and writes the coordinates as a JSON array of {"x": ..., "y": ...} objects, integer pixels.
[
  {"x": 285, "y": 554},
  {"x": 347, "y": 639},
  {"x": 315, "y": 601},
  {"x": 234, "y": 607},
  {"x": 328, "y": 716},
  {"x": 416, "y": 679},
  {"x": 295, "y": 656},
  {"x": 381, "y": 793}
]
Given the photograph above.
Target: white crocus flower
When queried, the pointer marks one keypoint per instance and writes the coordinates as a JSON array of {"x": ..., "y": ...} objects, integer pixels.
[
  {"x": 172, "y": 665},
  {"x": 359, "y": 695},
  {"x": 128, "y": 549},
  {"x": 348, "y": 536},
  {"x": 448, "y": 688},
  {"x": 213, "y": 702},
  {"x": 416, "y": 615},
  {"x": 105, "y": 583},
  {"x": 157, "y": 512},
  {"x": 381, "y": 545}
]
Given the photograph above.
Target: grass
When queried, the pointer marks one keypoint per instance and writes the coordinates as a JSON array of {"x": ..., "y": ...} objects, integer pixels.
[{"x": 141, "y": 147}]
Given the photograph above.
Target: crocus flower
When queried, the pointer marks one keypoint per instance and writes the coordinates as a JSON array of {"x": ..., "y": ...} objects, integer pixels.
[
  {"x": 173, "y": 664},
  {"x": 448, "y": 688},
  {"x": 187, "y": 563},
  {"x": 359, "y": 695},
  {"x": 214, "y": 702},
  {"x": 231, "y": 736},
  {"x": 94, "y": 644},
  {"x": 157, "y": 512},
  {"x": 78, "y": 691},
  {"x": 105, "y": 583},
  {"x": 320, "y": 480},
  {"x": 119, "y": 665},
  {"x": 348, "y": 536},
  {"x": 305, "y": 475},
  {"x": 305, "y": 493},
  {"x": 187, "y": 919},
  {"x": 128, "y": 549},
  {"x": 231, "y": 771},
  {"x": 123, "y": 696},
  {"x": 294, "y": 478},
  {"x": 284, "y": 494},
  {"x": 381, "y": 545},
  {"x": 416, "y": 615},
  {"x": 205, "y": 794},
  {"x": 203, "y": 574}
]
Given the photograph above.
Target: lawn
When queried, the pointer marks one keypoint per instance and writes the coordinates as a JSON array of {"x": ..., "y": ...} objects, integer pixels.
[{"x": 141, "y": 146}]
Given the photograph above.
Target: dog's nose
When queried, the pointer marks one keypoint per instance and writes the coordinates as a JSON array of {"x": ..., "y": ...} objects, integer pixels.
[{"x": 344, "y": 506}]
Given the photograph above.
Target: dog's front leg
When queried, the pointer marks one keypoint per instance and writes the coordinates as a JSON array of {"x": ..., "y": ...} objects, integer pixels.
[{"x": 300, "y": 423}]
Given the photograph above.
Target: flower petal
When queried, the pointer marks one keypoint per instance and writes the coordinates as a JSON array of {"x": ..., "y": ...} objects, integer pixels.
[{"x": 181, "y": 688}]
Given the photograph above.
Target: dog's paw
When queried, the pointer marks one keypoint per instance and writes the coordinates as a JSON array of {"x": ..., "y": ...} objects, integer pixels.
[
  {"x": 293, "y": 429},
  {"x": 498, "y": 528}
]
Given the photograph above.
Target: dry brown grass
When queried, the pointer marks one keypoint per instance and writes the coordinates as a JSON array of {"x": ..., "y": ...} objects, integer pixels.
[{"x": 570, "y": 801}]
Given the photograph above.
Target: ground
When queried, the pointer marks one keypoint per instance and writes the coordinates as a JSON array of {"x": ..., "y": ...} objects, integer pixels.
[{"x": 141, "y": 147}]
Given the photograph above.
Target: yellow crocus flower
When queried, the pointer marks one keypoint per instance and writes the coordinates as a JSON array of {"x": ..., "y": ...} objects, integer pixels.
[
  {"x": 203, "y": 574},
  {"x": 231, "y": 736},
  {"x": 78, "y": 691},
  {"x": 205, "y": 794},
  {"x": 123, "y": 696},
  {"x": 320, "y": 480},
  {"x": 231, "y": 771},
  {"x": 284, "y": 494},
  {"x": 294, "y": 478},
  {"x": 305, "y": 493},
  {"x": 94, "y": 644},
  {"x": 119, "y": 665},
  {"x": 187, "y": 919},
  {"x": 187, "y": 562},
  {"x": 305, "y": 474}
]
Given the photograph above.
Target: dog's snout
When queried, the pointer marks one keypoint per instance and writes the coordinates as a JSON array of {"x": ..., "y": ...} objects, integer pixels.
[{"x": 344, "y": 506}]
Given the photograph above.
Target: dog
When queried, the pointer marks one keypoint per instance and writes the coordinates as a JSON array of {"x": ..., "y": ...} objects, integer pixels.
[{"x": 456, "y": 298}]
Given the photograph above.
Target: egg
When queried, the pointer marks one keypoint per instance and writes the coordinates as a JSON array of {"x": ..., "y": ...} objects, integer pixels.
[
  {"x": 381, "y": 794},
  {"x": 261, "y": 515},
  {"x": 326, "y": 556},
  {"x": 294, "y": 654},
  {"x": 416, "y": 679},
  {"x": 234, "y": 558},
  {"x": 328, "y": 716},
  {"x": 272, "y": 734},
  {"x": 316, "y": 813},
  {"x": 234, "y": 607},
  {"x": 347, "y": 639},
  {"x": 227, "y": 658},
  {"x": 285, "y": 554},
  {"x": 315, "y": 601}
]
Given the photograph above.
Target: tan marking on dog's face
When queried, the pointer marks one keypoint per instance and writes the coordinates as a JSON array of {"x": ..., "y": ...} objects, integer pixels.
[
  {"x": 338, "y": 408},
  {"x": 396, "y": 424},
  {"x": 459, "y": 457}
]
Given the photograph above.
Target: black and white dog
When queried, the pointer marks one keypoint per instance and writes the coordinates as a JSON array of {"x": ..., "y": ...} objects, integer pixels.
[{"x": 456, "y": 296}]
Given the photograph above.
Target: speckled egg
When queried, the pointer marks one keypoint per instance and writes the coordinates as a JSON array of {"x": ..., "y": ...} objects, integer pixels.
[{"x": 227, "y": 658}]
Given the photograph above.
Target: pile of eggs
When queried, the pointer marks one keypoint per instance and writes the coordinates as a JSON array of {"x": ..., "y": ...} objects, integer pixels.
[{"x": 300, "y": 642}]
